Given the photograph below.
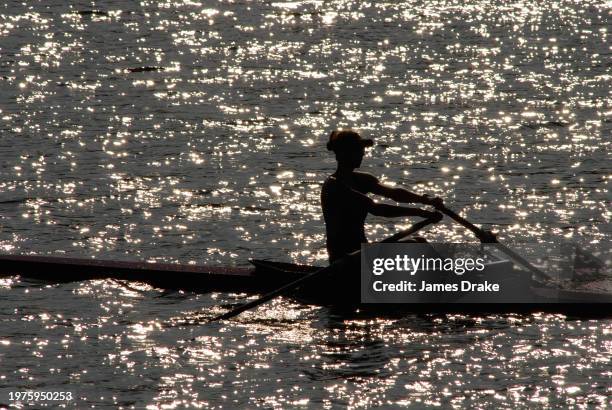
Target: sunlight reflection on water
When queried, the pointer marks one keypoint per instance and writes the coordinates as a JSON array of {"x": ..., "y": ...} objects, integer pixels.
[
  {"x": 131, "y": 128},
  {"x": 184, "y": 131},
  {"x": 146, "y": 349}
]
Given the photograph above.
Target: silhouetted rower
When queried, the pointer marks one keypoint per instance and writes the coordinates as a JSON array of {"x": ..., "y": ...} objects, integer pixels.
[{"x": 344, "y": 200}]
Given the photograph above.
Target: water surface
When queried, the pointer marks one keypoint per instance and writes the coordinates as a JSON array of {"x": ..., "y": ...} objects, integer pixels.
[{"x": 195, "y": 132}]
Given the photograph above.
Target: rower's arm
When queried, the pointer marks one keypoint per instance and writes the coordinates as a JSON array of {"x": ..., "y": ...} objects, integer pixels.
[
  {"x": 386, "y": 210},
  {"x": 392, "y": 211},
  {"x": 402, "y": 194}
]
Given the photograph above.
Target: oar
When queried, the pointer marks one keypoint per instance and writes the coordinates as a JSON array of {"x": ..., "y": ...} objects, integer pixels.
[
  {"x": 487, "y": 238},
  {"x": 414, "y": 228},
  {"x": 293, "y": 285}
]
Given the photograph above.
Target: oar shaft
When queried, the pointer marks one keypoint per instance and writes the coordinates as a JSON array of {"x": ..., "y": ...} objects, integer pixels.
[
  {"x": 453, "y": 215},
  {"x": 413, "y": 229},
  {"x": 266, "y": 297},
  {"x": 481, "y": 234},
  {"x": 518, "y": 258}
]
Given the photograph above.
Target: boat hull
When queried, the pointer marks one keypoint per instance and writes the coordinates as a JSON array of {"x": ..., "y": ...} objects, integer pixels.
[
  {"x": 264, "y": 276},
  {"x": 196, "y": 278}
]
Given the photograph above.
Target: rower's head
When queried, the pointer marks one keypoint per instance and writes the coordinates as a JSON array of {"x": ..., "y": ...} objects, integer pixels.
[{"x": 349, "y": 147}]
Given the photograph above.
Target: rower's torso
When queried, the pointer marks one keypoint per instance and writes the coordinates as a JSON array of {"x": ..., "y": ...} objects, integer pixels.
[{"x": 345, "y": 214}]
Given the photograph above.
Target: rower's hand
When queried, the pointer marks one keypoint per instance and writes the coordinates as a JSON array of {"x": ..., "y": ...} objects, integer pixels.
[
  {"x": 434, "y": 216},
  {"x": 488, "y": 237},
  {"x": 437, "y": 217},
  {"x": 436, "y": 202}
]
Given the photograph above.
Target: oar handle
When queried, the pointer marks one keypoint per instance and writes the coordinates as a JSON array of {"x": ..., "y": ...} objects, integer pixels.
[{"x": 490, "y": 238}]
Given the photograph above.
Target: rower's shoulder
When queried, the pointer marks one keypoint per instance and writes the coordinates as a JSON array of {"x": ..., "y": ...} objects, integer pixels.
[
  {"x": 330, "y": 184},
  {"x": 361, "y": 181},
  {"x": 330, "y": 181},
  {"x": 357, "y": 175},
  {"x": 365, "y": 177},
  {"x": 366, "y": 180}
]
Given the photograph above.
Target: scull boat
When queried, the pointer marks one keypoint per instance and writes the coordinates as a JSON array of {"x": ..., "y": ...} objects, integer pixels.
[{"x": 264, "y": 276}]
